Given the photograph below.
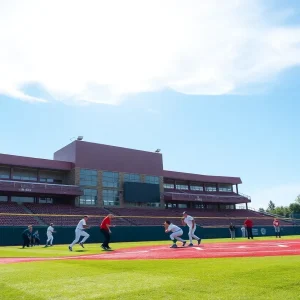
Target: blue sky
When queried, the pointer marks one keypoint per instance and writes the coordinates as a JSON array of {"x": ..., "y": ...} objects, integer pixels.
[
  {"x": 209, "y": 114},
  {"x": 254, "y": 137}
]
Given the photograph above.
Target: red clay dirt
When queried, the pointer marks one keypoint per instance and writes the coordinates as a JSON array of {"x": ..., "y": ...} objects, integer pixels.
[{"x": 210, "y": 250}]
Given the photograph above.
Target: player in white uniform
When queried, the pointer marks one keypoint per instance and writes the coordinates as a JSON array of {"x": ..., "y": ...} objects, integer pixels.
[
  {"x": 176, "y": 233},
  {"x": 79, "y": 232},
  {"x": 50, "y": 231},
  {"x": 190, "y": 222}
]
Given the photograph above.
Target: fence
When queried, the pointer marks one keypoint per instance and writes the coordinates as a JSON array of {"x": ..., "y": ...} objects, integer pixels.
[{"x": 11, "y": 235}]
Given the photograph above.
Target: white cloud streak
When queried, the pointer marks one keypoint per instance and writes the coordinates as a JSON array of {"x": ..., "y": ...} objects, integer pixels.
[{"x": 102, "y": 51}]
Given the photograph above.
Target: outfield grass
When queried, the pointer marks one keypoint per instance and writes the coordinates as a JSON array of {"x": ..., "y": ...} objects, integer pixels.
[{"x": 259, "y": 278}]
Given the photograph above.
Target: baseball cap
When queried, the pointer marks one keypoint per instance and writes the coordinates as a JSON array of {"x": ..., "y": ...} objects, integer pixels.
[{"x": 184, "y": 212}]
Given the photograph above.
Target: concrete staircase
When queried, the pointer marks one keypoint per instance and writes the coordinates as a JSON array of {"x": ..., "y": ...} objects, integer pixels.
[{"x": 27, "y": 210}]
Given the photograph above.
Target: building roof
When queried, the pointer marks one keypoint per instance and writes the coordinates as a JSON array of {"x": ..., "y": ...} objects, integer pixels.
[
  {"x": 201, "y": 178},
  {"x": 22, "y": 161},
  {"x": 111, "y": 158}
]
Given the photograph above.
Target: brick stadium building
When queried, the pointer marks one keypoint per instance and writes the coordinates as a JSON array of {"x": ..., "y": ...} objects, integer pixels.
[{"x": 95, "y": 175}]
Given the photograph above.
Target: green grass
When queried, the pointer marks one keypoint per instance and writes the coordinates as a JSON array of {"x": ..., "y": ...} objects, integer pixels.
[{"x": 261, "y": 278}]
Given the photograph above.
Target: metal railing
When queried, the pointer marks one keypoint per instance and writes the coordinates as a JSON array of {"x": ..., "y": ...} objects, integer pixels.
[{"x": 24, "y": 186}]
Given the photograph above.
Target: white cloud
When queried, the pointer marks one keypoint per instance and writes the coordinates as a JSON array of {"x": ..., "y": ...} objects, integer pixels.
[
  {"x": 281, "y": 195},
  {"x": 101, "y": 51}
]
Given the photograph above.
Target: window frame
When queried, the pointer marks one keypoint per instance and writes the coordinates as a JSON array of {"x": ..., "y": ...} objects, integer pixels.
[
  {"x": 152, "y": 179},
  {"x": 133, "y": 177},
  {"x": 88, "y": 177},
  {"x": 89, "y": 198},
  {"x": 110, "y": 181}
]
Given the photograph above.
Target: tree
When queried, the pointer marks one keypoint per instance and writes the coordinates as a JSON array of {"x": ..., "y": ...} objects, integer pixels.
[
  {"x": 261, "y": 210},
  {"x": 297, "y": 200},
  {"x": 271, "y": 206},
  {"x": 295, "y": 208},
  {"x": 282, "y": 211}
]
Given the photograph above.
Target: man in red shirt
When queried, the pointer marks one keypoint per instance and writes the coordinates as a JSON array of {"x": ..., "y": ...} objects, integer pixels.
[
  {"x": 249, "y": 224},
  {"x": 105, "y": 230},
  {"x": 277, "y": 228}
]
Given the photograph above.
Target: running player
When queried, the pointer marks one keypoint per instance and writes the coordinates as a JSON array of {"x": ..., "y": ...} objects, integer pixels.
[
  {"x": 50, "y": 231},
  {"x": 176, "y": 233},
  {"x": 79, "y": 232},
  {"x": 190, "y": 222}
]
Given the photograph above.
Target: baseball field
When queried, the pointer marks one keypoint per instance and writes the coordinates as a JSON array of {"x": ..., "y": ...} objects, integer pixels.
[{"x": 263, "y": 268}]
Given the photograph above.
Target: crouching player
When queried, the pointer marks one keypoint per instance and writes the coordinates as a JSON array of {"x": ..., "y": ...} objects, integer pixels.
[{"x": 176, "y": 233}]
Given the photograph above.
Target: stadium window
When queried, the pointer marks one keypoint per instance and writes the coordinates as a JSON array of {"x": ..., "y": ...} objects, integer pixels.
[
  {"x": 153, "y": 204},
  {"x": 229, "y": 206},
  {"x": 168, "y": 186},
  {"x": 212, "y": 206},
  {"x": 22, "y": 199},
  {"x": 25, "y": 174},
  {"x": 4, "y": 173},
  {"x": 199, "y": 206},
  {"x": 182, "y": 205},
  {"x": 110, "y": 179},
  {"x": 110, "y": 197},
  {"x": 88, "y": 177},
  {"x": 45, "y": 200},
  {"x": 152, "y": 179},
  {"x": 51, "y": 177},
  {"x": 225, "y": 188},
  {"x": 3, "y": 198},
  {"x": 182, "y": 187},
  {"x": 51, "y": 180},
  {"x": 89, "y": 197},
  {"x": 132, "y": 178},
  {"x": 210, "y": 187},
  {"x": 195, "y": 187}
]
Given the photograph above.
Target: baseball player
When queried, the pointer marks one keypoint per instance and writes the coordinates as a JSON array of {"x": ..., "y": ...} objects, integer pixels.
[
  {"x": 190, "y": 222},
  {"x": 27, "y": 236},
  {"x": 79, "y": 232},
  {"x": 50, "y": 231},
  {"x": 176, "y": 233}
]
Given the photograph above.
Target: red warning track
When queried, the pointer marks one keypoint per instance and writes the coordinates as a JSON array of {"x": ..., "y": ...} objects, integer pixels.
[{"x": 218, "y": 250}]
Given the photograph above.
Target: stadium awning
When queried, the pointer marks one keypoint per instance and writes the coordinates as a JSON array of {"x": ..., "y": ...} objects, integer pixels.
[{"x": 212, "y": 198}]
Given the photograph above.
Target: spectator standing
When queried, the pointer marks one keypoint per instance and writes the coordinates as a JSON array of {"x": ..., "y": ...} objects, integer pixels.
[
  {"x": 232, "y": 231},
  {"x": 249, "y": 224},
  {"x": 276, "y": 225}
]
